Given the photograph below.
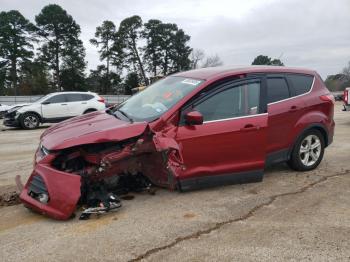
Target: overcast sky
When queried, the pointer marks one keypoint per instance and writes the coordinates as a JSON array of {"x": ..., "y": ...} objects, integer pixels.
[{"x": 313, "y": 33}]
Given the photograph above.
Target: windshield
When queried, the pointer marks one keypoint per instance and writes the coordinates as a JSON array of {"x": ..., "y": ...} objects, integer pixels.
[{"x": 158, "y": 98}]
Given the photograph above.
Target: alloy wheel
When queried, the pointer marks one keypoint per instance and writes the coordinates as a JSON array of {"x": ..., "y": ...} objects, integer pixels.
[
  {"x": 30, "y": 122},
  {"x": 310, "y": 150}
]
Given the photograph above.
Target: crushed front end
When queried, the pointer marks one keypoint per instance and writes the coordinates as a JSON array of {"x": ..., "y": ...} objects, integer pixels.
[
  {"x": 94, "y": 175},
  {"x": 50, "y": 191}
]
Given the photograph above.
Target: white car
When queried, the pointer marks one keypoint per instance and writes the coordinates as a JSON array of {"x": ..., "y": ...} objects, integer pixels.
[{"x": 53, "y": 108}]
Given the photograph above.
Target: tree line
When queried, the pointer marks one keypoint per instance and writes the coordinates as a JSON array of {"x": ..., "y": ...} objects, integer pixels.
[
  {"x": 340, "y": 81},
  {"x": 49, "y": 55}
]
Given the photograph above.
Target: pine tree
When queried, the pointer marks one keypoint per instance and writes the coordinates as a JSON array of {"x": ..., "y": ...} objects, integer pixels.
[
  {"x": 105, "y": 37},
  {"x": 130, "y": 31},
  {"x": 60, "y": 36},
  {"x": 16, "y": 44}
]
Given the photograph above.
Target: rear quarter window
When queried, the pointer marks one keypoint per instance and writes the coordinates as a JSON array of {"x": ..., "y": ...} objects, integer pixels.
[
  {"x": 301, "y": 83},
  {"x": 87, "y": 97}
]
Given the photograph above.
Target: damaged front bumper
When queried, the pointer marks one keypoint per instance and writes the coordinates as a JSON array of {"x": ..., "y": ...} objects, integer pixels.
[
  {"x": 11, "y": 119},
  {"x": 62, "y": 192}
]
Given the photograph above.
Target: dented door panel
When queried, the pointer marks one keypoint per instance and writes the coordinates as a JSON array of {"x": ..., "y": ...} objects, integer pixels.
[{"x": 222, "y": 147}]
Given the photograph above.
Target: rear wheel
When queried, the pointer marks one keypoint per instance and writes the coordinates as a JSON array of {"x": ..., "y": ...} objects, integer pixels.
[
  {"x": 29, "y": 121},
  {"x": 308, "y": 151}
]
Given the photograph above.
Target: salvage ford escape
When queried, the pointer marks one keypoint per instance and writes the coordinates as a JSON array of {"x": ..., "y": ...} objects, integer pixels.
[{"x": 191, "y": 130}]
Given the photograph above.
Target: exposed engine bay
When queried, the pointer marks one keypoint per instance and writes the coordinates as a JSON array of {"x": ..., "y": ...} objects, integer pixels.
[{"x": 102, "y": 180}]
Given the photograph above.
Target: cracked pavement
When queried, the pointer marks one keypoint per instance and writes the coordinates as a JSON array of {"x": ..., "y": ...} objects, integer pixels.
[{"x": 289, "y": 216}]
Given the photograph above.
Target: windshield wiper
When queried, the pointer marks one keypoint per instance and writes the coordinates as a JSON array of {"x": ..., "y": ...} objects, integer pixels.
[{"x": 126, "y": 115}]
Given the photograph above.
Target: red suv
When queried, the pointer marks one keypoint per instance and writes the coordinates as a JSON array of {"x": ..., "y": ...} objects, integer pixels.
[{"x": 193, "y": 129}]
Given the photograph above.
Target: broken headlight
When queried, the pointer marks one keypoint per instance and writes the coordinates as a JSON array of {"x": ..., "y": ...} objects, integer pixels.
[
  {"x": 41, "y": 153},
  {"x": 13, "y": 109},
  {"x": 44, "y": 152}
]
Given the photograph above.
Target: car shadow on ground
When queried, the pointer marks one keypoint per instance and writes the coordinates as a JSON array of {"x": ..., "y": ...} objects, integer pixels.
[
  {"x": 3, "y": 128},
  {"x": 278, "y": 168}
]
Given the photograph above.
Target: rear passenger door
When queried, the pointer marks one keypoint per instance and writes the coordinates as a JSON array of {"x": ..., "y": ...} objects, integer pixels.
[
  {"x": 284, "y": 111},
  {"x": 76, "y": 104}
]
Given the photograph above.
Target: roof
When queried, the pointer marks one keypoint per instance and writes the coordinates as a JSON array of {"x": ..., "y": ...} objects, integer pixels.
[
  {"x": 71, "y": 92},
  {"x": 222, "y": 71}
]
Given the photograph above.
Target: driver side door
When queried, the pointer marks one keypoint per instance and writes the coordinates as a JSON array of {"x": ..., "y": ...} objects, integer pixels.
[{"x": 229, "y": 146}]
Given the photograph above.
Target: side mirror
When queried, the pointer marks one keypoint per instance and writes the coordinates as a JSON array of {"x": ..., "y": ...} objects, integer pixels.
[
  {"x": 194, "y": 118},
  {"x": 45, "y": 103}
]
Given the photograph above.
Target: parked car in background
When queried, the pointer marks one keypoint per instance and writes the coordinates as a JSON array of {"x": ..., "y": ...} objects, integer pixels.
[
  {"x": 53, "y": 108},
  {"x": 346, "y": 99},
  {"x": 194, "y": 129},
  {"x": 339, "y": 97}
]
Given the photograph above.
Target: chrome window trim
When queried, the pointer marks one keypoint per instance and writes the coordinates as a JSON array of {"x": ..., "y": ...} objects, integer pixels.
[
  {"x": 312, "y": 86},
  {"x": 231, "y": 118}
]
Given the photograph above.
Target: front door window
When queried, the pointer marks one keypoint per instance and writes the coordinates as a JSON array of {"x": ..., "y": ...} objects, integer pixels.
[{"x": 237, "y": 101}]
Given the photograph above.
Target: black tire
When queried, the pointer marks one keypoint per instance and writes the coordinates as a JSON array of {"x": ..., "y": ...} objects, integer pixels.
[
  {"x": 303, "y": 157},
  {"x": 29, "y": 121},
  {"x": 89, "y": 111}
]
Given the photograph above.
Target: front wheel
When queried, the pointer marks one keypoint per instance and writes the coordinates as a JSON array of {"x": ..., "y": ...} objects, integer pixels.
[
  {"x": 308, "y": 151},
  {"x": 29, "y": 121}
]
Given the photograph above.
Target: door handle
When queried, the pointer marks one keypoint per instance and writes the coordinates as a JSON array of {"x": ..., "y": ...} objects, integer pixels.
[
  {"x": 63, "y": 104},
  {"x": 293, "y": 108},
  {"x": 83, "y": 103},
  {"x": 250, "y": 127}
]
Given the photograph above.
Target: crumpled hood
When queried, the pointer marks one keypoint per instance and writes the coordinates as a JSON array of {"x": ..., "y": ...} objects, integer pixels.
[
  {"x": 17, "y": 105},
  {"x": 25, "y": 104},
  {"x": 96, "y": 127}
]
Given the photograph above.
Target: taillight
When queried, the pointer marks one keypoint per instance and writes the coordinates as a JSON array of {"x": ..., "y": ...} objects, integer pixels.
[
  {"x": 328, "y": 98},
  {"x": 346, "y": 96},
  {"x": 101, "y": 99}
]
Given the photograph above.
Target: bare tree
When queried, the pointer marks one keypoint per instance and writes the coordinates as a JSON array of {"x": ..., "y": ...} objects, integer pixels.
[
  {"x": 212, "y": 61},
  {"x": 199, "y": 59},
  {"x": 346, "y": 72},
  {"x": 197, "y": 56}
]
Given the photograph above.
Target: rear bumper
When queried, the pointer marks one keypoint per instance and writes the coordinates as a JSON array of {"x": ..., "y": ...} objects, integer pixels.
[
  {"x": 331, "y": 133},
  {"x": 330, "y": 139},
  {"x": 63, "y": 191}
]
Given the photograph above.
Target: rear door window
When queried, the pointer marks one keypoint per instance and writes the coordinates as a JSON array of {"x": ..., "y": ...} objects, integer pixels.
[
  {"x": 301, "y": 83},
  {"x": 277, "y": 89},
  {"x": 74, "y": 97}
]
